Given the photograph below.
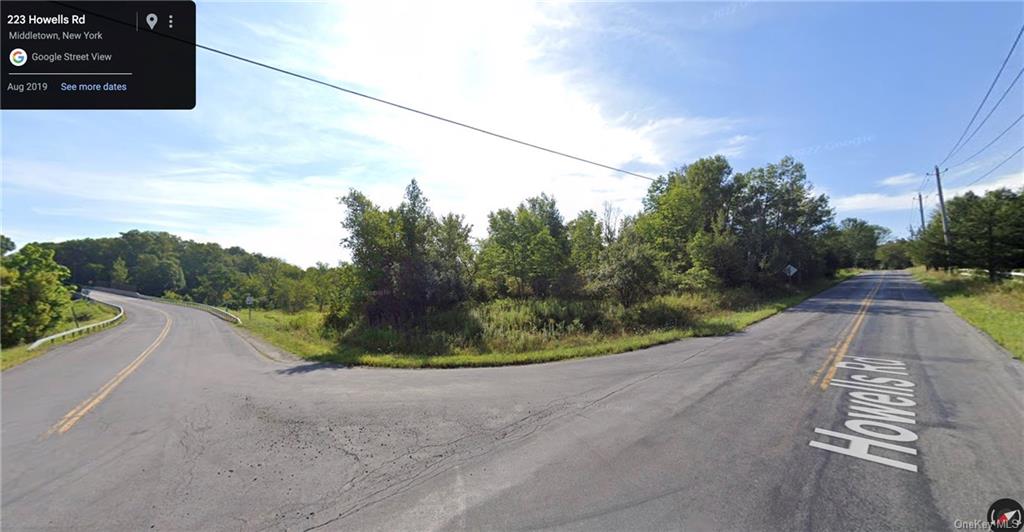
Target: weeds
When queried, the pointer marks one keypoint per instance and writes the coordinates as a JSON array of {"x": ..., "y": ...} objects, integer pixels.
[
  {"x": 510, "y": 331},
  {"x": 995, "y": 308}
]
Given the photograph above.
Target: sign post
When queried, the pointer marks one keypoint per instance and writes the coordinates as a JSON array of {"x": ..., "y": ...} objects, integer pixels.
[
  {"x": 789, "y": 270},
  {"x": 248, "y": 303}
]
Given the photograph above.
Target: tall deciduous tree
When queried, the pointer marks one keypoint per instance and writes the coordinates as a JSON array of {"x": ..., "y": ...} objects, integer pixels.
[
  {"x": 628, "y": 270},
  {"x": 683, "y": 204},
  {"x": 527, "y": 251},
  {"x": 586, "y": 240},
  {"x": 777, "y": 220},
  {"x": 408, "y": 262},
  {"x": 119, "y": 273},
  {"x": 453, "y": 258},
  {"x": 154, "y": 275},
  {"x": 32, "y": 293},
  {"x": 859, "y": 242},
  {"x": 6, "y": 245}
]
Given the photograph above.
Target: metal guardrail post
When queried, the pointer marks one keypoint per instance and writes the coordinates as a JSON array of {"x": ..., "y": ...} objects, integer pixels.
[
  {"x": 220, "y": 313},
  {"x": 80, "y": 330}
]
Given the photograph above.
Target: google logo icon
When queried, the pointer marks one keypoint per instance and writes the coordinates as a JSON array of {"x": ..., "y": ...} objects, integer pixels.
[{"x": 18, "y": 57}]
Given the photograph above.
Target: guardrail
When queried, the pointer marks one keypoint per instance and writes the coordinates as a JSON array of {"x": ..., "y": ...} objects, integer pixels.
[
  {"x": 966, "y": 272},
  {"x": 85, "y": 328},
  {"x": 218, "y": 312}
]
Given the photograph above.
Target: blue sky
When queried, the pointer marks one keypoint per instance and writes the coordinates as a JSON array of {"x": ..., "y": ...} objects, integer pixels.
[{"x": 868, "y": 95}]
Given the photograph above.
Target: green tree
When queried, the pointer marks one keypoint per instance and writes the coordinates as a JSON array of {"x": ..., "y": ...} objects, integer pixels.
[
  {"x": 985, "y": 232},
  {"x": 393, "y": 251},
  {"x": 929, "y": 246},
  {"x": 33, "y": 294},
  {"x": 414, "y": 279},
  {"x": 155, "y": 276},
  {"x": 894, "y": 255},
  {"x": 347, "y": 299},
  {"x": 716, "y": 252},
  {"x": 859, "y": 241},
  {"x": 527, "y": 251},
  {"x": 505, "y": 254},
  {"x": 453, "y": 258},
  {"x": 220, "y": 285},
  {"x": 321, "y": 279},
  {"x": 628, "y": 270},
  {"x": 988, "y": 231},
  {"x": 682, "y": 205},
  {"x": 778, "y": 221},
  {"x": 6, "y": 245},
  {"x": 162, "y": 262},
  {"x": 119, "y": 273},
  {"x": 586, "y": 241}
]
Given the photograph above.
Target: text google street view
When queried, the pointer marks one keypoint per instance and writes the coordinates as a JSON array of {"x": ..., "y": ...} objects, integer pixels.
[{"x": 511, "y": 266}]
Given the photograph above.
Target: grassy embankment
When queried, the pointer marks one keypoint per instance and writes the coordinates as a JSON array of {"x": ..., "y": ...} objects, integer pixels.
[
  {"x": 88, "y": 312},
  {"x": 997, "y": 309},
  {"x": 507, "y": 332}
]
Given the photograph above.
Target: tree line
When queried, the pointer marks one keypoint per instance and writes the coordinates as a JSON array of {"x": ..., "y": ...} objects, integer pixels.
[
  {"x": 162, "y": 264},
  {"x": 702, "y": 227},
  {"x": 985, "y": 232}
]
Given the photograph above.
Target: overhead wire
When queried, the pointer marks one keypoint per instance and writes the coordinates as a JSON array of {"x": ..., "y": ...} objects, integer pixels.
[
  {"x": 999, "y": 136},
  {"x": 985, "y": 99},
  {"x": 367, "y": 96},
  {"x": 994, "y": 107},
  {"x": 996, "y": 167}
]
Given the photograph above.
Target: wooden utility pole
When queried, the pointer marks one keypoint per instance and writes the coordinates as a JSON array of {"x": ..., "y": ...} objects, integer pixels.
[
  {"x": 942, "y": 207},
  {"x": 920, "y": 208},
  {"x": 945, "y": 219}
]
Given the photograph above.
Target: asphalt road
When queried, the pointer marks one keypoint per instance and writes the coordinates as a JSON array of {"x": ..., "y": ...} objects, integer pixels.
[{"x": 171, "y": 421}]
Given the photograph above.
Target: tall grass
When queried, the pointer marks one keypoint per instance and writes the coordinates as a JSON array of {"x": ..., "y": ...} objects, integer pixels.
[
  {"x": 509, "y": 331},
  {"x": 80, "y": 313},
  {"x": 995, "y": 308}
]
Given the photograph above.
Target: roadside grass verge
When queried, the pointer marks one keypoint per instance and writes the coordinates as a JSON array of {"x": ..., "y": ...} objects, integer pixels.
[
  {"x": 995, "y": 308},
  {"x": 502, "y": 341},
  {"x": 87, "y": 312}
]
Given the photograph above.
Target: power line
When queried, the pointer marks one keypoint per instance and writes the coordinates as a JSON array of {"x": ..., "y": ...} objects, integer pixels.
[
  {"x": 923, "y": 181},
  {"x": 996, "y": 167},
  {"x": 367, "y": 96},
  {"x": 1008, "y": 128},
  {"x": 994, "y": 107},
  {"x": 985, "y": 99}
]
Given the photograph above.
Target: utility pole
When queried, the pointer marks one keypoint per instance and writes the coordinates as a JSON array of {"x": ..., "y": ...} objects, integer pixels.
[
  {"x": 945, "y": 219},
  {"x": 942, "y": 207},
  {"x": 920, "y": 207}
]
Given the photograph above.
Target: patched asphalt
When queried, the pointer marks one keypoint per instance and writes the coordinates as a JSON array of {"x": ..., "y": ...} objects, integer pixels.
[{"x": 207, "y": 433}]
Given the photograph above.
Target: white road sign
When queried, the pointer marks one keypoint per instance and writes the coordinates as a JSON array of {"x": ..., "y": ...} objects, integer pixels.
[{"x": 789, "y": 270}]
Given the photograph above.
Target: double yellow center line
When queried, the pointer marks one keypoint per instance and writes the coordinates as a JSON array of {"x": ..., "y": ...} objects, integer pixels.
[
  {"x": 839, "y": 350},
  {"x": 84, "y": 407}
]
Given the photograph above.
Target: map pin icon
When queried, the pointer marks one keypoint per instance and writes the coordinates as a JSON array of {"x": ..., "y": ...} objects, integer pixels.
[{"x": 151, "y": 20}]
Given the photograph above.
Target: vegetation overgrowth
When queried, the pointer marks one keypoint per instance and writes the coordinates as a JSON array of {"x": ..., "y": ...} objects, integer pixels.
[
  {"x": 524, "y": 332},
  {"x": 78, "y": 313},
  {"x": 995, "y": 308},
  {"x": 707, "y": 242}
]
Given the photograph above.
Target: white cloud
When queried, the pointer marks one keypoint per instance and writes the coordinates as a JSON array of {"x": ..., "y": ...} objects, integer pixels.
[
  {"x": 909, "y": 178},
  {"x": 268, "y": 154},
  {"x": 873, "y": 202}
]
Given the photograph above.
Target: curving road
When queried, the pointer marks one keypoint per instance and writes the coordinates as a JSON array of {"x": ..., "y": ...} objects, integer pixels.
[{"x": 171, "y": 421}]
